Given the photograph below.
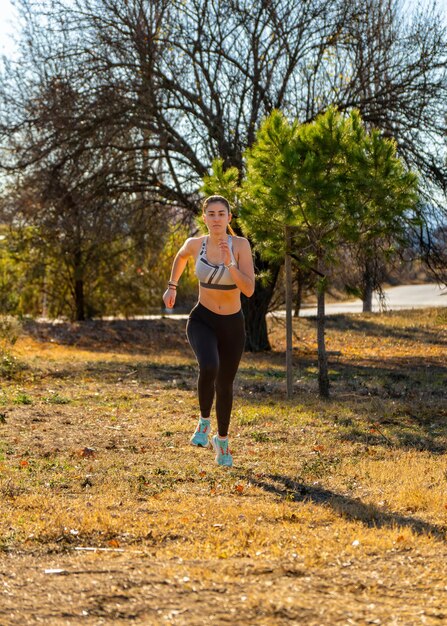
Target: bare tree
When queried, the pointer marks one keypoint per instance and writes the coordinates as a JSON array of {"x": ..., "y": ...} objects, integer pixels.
[
  {"x": 162, "y": 87},
  {"x": 176, "y": 84},
  {"x": 82, "y": 175},
  {"x": 391, "y": 64}
]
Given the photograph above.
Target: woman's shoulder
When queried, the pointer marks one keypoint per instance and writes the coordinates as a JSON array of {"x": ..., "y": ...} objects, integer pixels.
[
  {"x": 198, "y": 239},
  {"x": 192, "y": 244},
  {"x": 241, "y": 242}
]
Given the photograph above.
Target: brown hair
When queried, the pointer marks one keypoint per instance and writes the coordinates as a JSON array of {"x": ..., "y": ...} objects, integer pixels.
[{"x": 222, "y": 200}]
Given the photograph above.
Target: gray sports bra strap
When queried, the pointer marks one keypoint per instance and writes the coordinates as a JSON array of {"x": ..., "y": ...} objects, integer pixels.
[{"x": 202, "y": 251}]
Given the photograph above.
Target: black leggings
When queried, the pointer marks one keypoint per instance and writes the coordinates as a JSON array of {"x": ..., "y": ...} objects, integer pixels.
[{"x": 218, "y": 342}]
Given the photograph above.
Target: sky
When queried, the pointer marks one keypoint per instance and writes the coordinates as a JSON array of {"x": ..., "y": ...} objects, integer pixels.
[{"x": 8, "y": 16}]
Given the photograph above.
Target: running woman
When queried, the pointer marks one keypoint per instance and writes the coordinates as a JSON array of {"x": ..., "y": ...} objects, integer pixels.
[{"x": 215, "y": 328}]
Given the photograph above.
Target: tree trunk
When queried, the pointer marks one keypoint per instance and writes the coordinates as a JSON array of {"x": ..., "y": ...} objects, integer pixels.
[
  {"x": 323, "y": 376},
  {"x": 44, "y": 295},
  {"x": 255, "y": 309},
  {"x": 288, "y": 285},
  {"x": 79, "y": 300},
  {"x": 79, "y": 288},
  {"x": 367, "y": 287},
  {"x": 299, "y": 294}
]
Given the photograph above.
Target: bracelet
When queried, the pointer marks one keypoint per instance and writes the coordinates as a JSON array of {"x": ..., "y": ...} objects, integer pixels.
[
  {"x": 172, "y": 283},
  {"x": 172, "y": 287},
  {"x": 230, "y": 264}
]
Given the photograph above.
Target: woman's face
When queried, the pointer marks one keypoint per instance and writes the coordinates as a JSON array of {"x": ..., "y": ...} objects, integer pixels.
[{"x": 217, "y": 218}]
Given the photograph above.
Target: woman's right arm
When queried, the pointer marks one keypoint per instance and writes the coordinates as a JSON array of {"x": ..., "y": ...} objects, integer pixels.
[{"x": 179, "y": 264}]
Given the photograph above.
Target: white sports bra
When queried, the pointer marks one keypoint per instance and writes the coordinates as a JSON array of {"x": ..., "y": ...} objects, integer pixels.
[{"x": 214, "y": 276}]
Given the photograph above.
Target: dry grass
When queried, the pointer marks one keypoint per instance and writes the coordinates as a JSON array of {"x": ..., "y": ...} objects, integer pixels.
[{"x": 335, "y": 512}]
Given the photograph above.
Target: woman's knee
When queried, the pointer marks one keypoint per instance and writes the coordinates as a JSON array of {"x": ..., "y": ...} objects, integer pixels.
[
  {"x": 208, "y": 371},
  {"x": 224, "y": 388}
]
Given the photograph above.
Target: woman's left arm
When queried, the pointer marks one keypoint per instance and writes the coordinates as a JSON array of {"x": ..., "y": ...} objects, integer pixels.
[{"x": 244, "y": 274}]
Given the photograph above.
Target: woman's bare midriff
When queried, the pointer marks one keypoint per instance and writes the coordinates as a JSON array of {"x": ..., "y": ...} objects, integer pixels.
[{"x": 221, "y": 302}]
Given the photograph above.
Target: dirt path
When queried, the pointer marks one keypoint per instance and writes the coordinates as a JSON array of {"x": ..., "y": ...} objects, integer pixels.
[{"x": 122, "y": 588}]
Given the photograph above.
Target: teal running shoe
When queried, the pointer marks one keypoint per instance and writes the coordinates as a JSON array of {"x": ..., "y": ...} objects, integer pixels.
[
  {"x": 223, "y": 455},
  {"x": 200, "y": 436}
]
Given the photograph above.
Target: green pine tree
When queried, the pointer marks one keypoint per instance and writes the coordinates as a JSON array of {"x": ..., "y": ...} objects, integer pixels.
[{"x": 312, "y": 188}]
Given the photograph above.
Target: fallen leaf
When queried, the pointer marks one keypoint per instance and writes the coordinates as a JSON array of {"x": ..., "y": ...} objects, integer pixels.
[
  {"x": 239, "y": 488},
  {"x": 87, "y": 453}
]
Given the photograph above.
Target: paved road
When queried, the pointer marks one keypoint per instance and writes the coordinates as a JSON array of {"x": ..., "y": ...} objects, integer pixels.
[{"x": 402, "y": 297}]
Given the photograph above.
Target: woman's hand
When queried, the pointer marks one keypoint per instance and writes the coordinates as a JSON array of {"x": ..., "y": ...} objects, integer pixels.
[
  {"x": 225, "y": 251},
  {"x": 169, "y": 297}
]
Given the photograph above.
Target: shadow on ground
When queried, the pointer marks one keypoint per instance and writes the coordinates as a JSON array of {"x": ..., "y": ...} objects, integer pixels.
[
  {"x": 368, "y": 326},
  {"x": 122, "y": 336},
  {"x": 345, "y": 506},
  {"x": 143, "y": 336},
  {"x": 404, "y": 396}
]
